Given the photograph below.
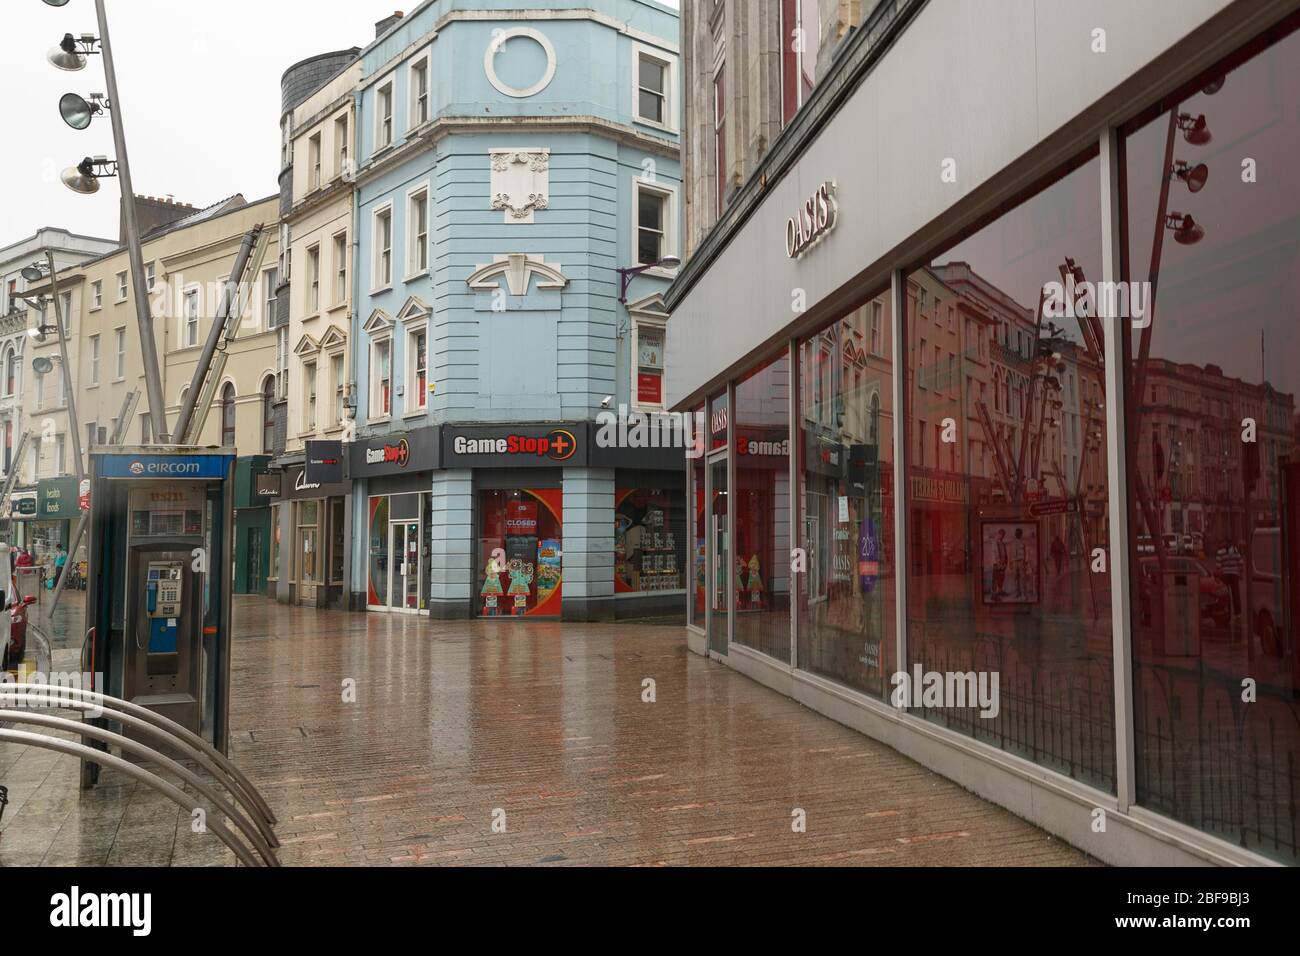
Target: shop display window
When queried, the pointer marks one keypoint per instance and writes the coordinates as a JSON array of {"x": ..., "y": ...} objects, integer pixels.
[
  {"x": 847, "y": 628},
  {"x": 520, "y": 553},
  {"x": 1212, "y": 217},
  {"x": 1008, "y": 542},
  {"x": 648, "y": 548},
  {"x": 761, "y": 574},
  {"x": 377, "y": 553}
]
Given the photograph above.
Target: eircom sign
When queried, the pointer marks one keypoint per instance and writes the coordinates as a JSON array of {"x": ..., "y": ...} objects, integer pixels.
[{"x": 164, "y": 466}]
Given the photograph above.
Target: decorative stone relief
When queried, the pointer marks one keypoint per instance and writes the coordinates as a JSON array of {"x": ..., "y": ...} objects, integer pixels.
[
  {"x": 518, "y": 270},
  {"x": 521, "y": 182}
]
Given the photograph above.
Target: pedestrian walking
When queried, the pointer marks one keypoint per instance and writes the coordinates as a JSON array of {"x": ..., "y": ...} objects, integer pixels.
[{"x": 1230, "y": 563}]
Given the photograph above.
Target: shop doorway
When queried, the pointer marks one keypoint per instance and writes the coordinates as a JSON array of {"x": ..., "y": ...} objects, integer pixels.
[
  {"x": 405, "y": 566},
  {"x": 256, "y": 573},
  {"x": 717, "y": 627}
]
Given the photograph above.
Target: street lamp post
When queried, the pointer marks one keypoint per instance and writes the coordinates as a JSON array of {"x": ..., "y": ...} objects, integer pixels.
[
  {"x": 78, "y": 112},
  {"x": 143, "y": 315}
]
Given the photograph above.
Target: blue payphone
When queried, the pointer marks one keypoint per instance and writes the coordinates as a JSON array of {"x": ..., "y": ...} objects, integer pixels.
[{"x": 158, "y": 601}]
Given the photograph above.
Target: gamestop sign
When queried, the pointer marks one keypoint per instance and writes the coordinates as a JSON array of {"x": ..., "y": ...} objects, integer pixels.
[
  {"x": 815, "y": 218},
  {"x": 520, "y": 446}
]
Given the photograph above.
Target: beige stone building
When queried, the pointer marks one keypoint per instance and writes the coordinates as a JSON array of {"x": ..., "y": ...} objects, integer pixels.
[
  {"x": 186, "y": 263},
  {"x": 320, "y": 234}
]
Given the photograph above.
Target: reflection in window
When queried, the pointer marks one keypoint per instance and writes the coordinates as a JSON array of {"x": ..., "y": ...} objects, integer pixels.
[
  {"x": 1007, "y": 518},
  {"x": 1215, "y": 521},
  {"x": 761, "y": 445}
]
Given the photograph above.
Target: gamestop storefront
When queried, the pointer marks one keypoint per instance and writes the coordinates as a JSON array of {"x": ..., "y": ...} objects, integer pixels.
[{"x": 956, "y": 455}]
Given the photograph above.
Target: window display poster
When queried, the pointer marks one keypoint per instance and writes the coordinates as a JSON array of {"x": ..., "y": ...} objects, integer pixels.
[
  {"x": 1011, "y": 562},
  {"x": 549, "y": 567}
]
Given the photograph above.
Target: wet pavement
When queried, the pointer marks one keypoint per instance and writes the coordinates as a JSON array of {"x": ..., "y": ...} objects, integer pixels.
[{"x": 393, "y": 739}]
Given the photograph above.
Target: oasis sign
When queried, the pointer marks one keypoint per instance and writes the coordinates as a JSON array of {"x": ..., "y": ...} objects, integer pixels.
[{"x": 815, "y": 218}]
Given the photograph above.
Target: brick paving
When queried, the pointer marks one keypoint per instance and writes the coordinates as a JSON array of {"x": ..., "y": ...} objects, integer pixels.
[{"x": 540, "y": 726}]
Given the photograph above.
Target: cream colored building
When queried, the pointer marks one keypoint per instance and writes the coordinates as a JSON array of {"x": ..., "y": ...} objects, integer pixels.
[
  {"x": 320, "y": 230},
  {"x": 185, "y": 265}
]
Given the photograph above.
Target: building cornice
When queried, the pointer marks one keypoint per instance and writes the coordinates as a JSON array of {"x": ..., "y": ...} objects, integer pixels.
[{"x": 434, "y": 131}]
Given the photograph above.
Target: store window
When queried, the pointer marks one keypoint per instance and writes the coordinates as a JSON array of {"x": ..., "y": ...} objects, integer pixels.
[
  {"x": 377, "y": 551},
  {"x": 275, "y": 542},
  {"x": 648, "y": 545},
  {"x": 1212, "y": 212},
  {"x": 698, "y": 521},
  {"x": 761, "y": 498},
  {"x": 310, "y": 566},
  {"x": 1008, "y": 576},
  {"x": 520, "y": 553},
  {"x": 847, "y": 626}
]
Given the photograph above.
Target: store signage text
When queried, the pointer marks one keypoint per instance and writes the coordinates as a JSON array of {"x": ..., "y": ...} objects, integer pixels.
[
  {"x": 750, "y": 446},
  {"x": 815, "y": 218},
  {"x": 398, "y": 454},
  {"x": 302, "y": 484},
  {"x": 558, "y": 445},
  {"x": 938, "y": 489}
]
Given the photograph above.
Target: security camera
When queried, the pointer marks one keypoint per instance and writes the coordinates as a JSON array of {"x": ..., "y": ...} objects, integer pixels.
[{"x": 604, "y": 402}]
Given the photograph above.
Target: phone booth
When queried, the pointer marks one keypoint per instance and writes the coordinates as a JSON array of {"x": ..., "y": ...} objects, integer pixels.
[{"x": 159, "y": 589}]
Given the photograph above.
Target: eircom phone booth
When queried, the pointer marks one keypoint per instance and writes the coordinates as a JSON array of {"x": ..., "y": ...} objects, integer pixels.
[{"x": 158, "y": 596}]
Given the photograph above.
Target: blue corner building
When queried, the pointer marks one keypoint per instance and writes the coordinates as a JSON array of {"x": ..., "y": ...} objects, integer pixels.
[{"x": 509, "y": 163}]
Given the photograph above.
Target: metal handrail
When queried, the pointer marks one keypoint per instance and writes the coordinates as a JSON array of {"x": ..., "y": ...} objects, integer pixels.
[
  {"x": 105, "y": 759},
  {"x": 197, "y": 743},
  {"x": 127, "y": 745},
  {"x": 26, "y": 699}
]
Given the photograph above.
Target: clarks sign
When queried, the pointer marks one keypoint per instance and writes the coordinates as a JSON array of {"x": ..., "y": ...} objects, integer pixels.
[{"x": 815, "y": 218}]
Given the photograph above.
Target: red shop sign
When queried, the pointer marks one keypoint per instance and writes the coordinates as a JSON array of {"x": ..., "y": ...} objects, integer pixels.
[{"x": 649, "y": 389}]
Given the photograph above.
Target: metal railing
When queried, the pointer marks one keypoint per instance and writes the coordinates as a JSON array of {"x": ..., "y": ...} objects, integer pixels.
[{"x": 252, "y": 817}]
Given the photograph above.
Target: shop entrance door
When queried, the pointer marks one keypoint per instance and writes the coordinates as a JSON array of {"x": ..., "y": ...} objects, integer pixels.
[
  {"x": 719, "y": 569},
  {"x": 405, "y": 566}
]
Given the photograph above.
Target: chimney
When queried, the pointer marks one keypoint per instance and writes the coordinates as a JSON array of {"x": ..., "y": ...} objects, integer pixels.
[
  {"x": 154, "y": 212},
  {"x": 382, "y": 26}
]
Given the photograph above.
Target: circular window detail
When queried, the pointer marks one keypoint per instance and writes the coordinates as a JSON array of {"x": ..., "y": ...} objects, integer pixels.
[{"x": 499, "y": 40}]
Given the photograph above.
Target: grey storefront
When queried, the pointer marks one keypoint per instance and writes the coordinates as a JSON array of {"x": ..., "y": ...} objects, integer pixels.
[{"x": 311, "y": 528}]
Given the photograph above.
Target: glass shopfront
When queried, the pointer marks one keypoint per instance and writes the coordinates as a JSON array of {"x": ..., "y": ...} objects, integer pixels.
[
  {"x": 698, "y": 524},
  {"x": 761, "y": 447},
  {"x": 400, "y": 542},
  {"x": 846, "y": 455},
  {"x": 1212, "y": 220},
  {"x": 1006, "y": 466},
  {"x": 649, "y": 548},
  {"x": 520, "y": 553}
]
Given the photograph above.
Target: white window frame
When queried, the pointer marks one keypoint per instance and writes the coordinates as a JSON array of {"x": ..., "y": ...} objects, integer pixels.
[
  {"x": 151, "y": 276},
  {"x": 310, "y": 394},
  {"x": 268, "y": 295},
  {"x": 669, "y": 61},
  {"x": 121, "y": 286},
  {"x": 341, "y": 256},
  {"x": 315, "y": 160},
  {"x": 413, "y": 242},
  {"x": 413, "y": 105},
  {"x": 94, "y": 349},
  {"x": 379, "y": 283},
  {"x": 119, "y": 340},
  {"x": 196, "y": 292},
  {"x": 639, "y": 322},
  {"x": 384, "y": 124},
  {"x": 671, "y": 245},
  {"x": 342, "y": 146},
  {"x": 372, "y": 410},
  {"x": 96, "y": 295},
  {"x": 417, "y": 399},
  {"x": 313, "y": 277},
  {"x": 338, "y": 387}
]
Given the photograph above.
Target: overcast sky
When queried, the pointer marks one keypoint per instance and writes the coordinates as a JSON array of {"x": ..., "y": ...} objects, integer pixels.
[{"x": 200, "y": 87}]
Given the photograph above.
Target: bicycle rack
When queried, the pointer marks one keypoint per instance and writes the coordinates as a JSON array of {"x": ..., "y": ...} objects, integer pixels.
[
  {"x": 127, "y": 745},
  {"x": 105, "y": 759},
  {"x": 207, "y": 754},
  {"x": 43, "y": 699},
  {"x": 257, "y": 830}
]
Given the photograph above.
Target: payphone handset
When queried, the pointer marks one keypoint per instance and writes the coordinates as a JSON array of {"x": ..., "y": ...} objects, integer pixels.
[{"x": 164, "y": 604}]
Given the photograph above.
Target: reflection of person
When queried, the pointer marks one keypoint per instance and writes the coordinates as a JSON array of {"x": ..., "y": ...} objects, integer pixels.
[
  {"x": 1021, "y": 562},
  {"x": 1230, "y": 563},
  {"x": 1058, "y": 553},
  {"x": 1000, "y": 565}
]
